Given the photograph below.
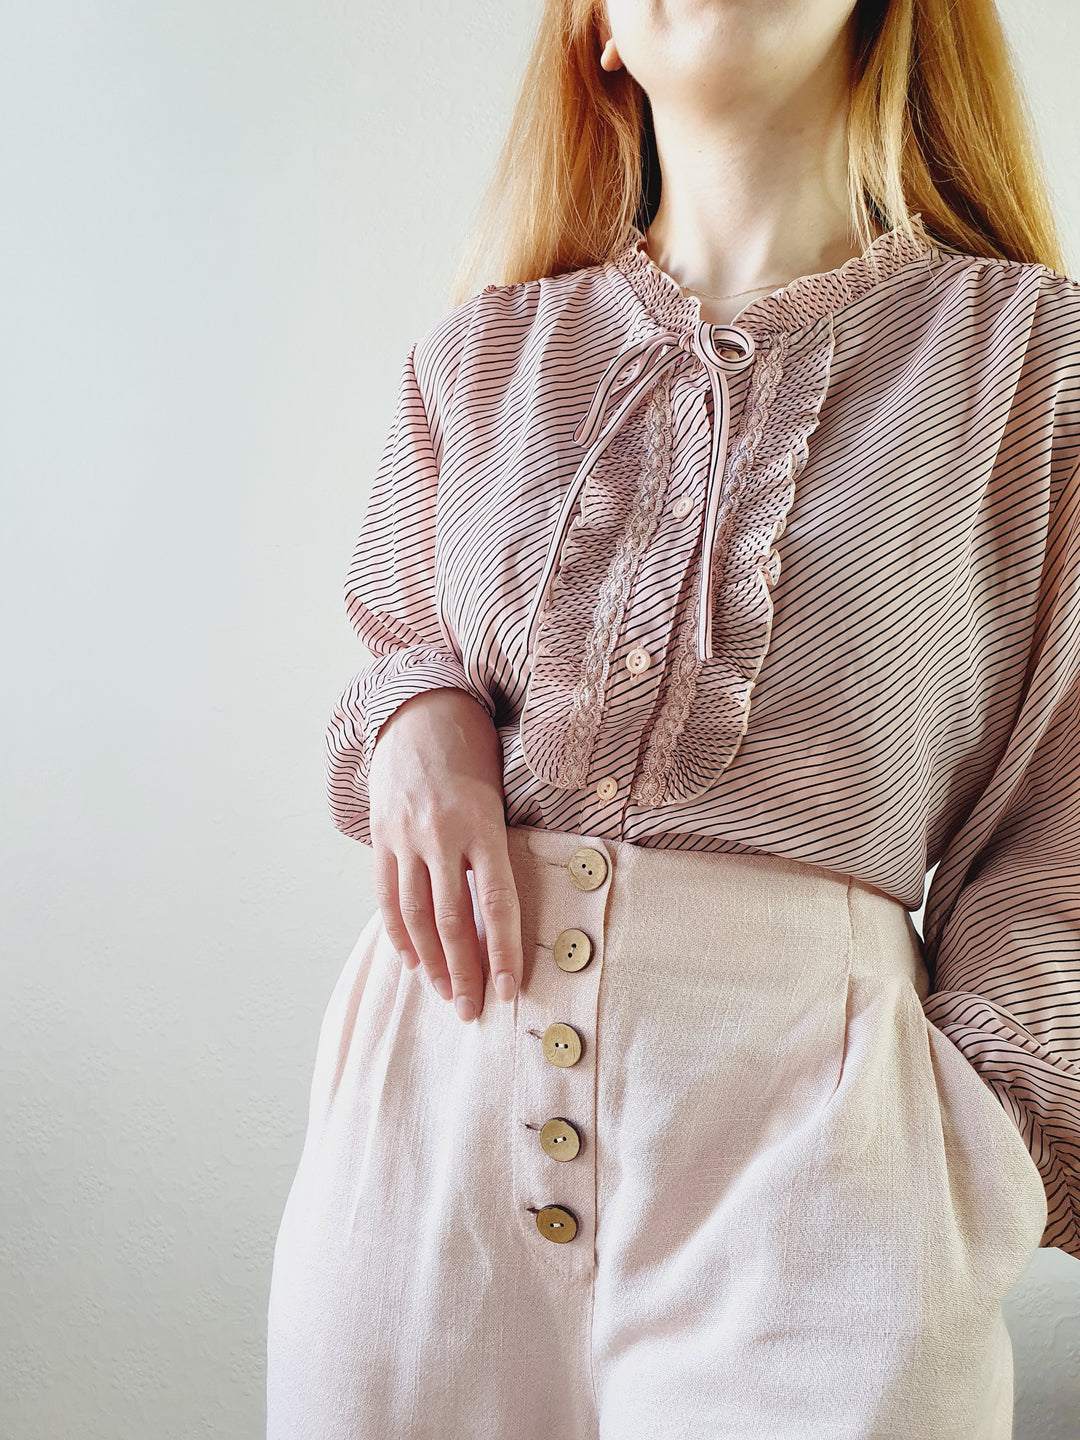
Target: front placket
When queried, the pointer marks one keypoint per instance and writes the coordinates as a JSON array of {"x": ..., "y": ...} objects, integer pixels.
[
  {"x": 659, "y": 593},
  {"x": 555, "y": 1061}
]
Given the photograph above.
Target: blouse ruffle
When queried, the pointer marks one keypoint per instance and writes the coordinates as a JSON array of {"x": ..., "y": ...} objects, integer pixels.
[{"x": 703, "y": 709}]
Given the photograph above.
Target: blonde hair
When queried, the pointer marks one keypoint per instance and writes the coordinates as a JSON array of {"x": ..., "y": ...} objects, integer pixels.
[{"x": 938, "y": 125}]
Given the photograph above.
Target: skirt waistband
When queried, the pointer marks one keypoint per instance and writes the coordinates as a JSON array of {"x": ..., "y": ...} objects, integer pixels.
[{"x": 724, "y": 891}]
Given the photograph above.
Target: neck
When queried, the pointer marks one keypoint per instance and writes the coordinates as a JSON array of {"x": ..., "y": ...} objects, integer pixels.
[{"x": 754, "y": 197}]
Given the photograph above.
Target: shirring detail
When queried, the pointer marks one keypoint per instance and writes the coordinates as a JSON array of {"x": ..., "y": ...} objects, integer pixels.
[{"x": 802, "y": 302}]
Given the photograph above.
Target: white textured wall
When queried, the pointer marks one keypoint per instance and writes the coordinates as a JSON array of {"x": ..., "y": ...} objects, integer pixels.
[{"x": 224, "y": 223}]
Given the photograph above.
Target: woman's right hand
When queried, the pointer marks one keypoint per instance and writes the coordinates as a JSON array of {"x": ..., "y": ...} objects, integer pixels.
[{"x": 436, "y": 808}]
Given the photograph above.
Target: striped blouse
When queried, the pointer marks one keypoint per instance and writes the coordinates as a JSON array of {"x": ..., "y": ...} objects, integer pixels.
[{"x": 807, "y": 584}]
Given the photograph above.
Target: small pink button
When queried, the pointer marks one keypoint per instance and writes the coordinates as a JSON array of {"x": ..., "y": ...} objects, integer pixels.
[
  {"x": 682, "y": 507},
  {"x": 608, "y": 788}
]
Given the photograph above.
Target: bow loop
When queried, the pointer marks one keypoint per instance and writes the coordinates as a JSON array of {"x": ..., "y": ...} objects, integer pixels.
[{"x": 713, "y": 345}]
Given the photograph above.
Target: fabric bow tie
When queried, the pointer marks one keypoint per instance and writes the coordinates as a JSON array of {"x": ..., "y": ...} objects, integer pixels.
[{"x": 599, "y": 428}]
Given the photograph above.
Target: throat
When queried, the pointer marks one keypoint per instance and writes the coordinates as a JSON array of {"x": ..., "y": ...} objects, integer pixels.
[{"x": 723, "y": 312}]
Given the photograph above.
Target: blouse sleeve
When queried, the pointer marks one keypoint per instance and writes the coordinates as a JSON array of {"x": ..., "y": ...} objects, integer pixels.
[
  {"x": 1002, "y": 921},
  {"x": 391, "y": 602}
]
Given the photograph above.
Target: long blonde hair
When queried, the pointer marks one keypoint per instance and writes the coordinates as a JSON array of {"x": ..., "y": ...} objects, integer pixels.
[{"x": 938, "y": 125}]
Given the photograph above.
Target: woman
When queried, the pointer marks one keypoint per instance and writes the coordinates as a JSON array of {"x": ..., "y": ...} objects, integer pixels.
[{"x": 722, "y": 574}]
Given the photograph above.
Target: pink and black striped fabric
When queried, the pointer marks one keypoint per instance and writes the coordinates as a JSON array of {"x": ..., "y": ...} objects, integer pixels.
[{"x": 807, "y": 585}]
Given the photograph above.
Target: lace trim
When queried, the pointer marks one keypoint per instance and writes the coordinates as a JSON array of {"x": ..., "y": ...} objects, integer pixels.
[
  {"x": 651, "y": 784},
  {"x": 587, "y": 703}
]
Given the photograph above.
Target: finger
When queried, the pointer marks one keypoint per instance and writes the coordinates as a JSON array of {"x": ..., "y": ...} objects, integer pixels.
[
  {"x": 456, "y": 924},
  {"x": 497, "y": 899},
  {"x": 386, "y": 896},
  {"x": 414, "y": 899}
]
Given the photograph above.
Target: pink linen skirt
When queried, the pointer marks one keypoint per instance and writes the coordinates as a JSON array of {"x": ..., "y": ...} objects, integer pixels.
[{"x": 712, "y": 1175}]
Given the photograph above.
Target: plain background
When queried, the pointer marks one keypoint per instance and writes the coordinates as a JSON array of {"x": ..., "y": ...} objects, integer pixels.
[{"x": 225, "y": 221}]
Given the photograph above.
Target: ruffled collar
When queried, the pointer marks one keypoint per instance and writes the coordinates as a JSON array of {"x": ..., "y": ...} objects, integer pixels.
[{"x": 800, "y": 303}]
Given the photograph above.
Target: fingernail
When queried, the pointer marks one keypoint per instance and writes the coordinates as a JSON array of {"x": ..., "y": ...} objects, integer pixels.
[
  {"x": 465, "y": 1007},
  {"x": 444, "y": 988},
  {"x": 504, "y": 985}
]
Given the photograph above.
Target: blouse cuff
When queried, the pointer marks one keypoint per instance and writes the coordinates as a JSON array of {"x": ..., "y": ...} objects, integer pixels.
[
  {"x": 361, "y": 712},
  {"x": 1040, "y": 1090}
]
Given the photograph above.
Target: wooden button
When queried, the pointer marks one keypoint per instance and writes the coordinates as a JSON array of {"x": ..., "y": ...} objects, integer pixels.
[
  {"x": 555, "y": 1223},
  {"x": 573, "y": 950},
  {"x": 588, "y": 869},
  {"x": 608, "y": 788},
  {"x": 560, "y": 1140},
  {"x": 562, "y": 1045}
]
